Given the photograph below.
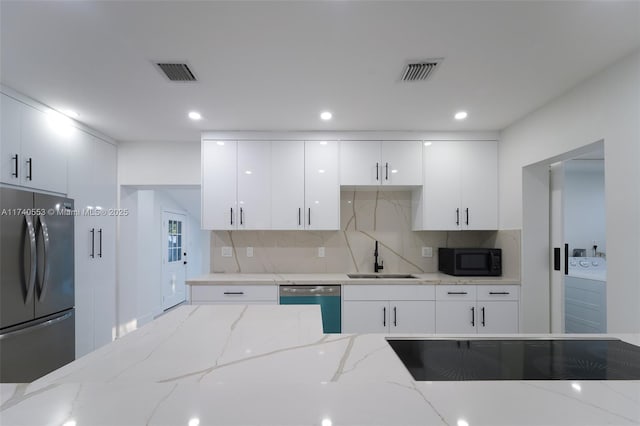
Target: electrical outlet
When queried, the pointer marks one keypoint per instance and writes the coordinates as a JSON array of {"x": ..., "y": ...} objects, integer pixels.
[
  {"x": 320, "y": 251},
  {"x": 227, "y": 252},
  {"x": 427, "y": 251},
  {"x": 249, "y": 251}
]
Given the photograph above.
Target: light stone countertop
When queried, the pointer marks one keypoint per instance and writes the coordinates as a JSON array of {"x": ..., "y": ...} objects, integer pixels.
[
  {"x": 271, "y": 365},
  {"x": 435, "y": 278}
]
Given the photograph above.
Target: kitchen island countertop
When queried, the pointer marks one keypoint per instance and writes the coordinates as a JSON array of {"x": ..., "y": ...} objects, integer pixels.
[
  {"x": 434, "y": 278},
  {"x": 271, "y": 365}
]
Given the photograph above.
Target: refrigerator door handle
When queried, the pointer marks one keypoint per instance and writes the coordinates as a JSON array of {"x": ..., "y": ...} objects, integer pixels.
[
  {"x": 32, "y": 256},
  {"x": 45, "y": 237},
  {"x": 37, "y": 326}
]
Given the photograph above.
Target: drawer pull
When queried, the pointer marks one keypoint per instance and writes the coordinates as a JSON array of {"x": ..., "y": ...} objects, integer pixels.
[
  {"x": 234, "y": 293},
  {"x": 456, "y": 292},
  {"x": 499, "y": 292}
]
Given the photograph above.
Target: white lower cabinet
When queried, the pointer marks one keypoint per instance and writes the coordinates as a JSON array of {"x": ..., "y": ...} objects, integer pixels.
[
  {"x": 477, "y": 309},
  {"x": 388, "y": 309},
  {"x": 233, "y": 294}
]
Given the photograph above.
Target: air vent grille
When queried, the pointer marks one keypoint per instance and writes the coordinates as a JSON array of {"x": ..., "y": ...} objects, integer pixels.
[
  {"x": 419, "y": 71},
  {"x": 176, "y": 71}
]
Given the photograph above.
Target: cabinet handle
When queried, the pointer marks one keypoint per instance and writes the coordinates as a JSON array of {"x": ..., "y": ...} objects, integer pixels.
[
  {"x": 231, "y": 215},
  {"x": 93, "y": 243},
  {"x": 299, "y": 216},
  {"x": 16, "y": 164},
  {"x": 482, "y": 316},
  {"x": 473, "y": 316},
  {"x": 241, "y": 216},
  {"x": 309, "y": 216},
  {"x": 395, "y": 317},
  {"x": 499, "y": 292},
  {"x": 100, "y": 242},
  {"x": 566, "y": 259},
  {"x": 234, "y": 293},
  {"x": 30, "y": 163},
  {"x": 386, "y": 173},
  {"x": 384, "y": 317},
  {"x": 457, "y": 216},
  {"x": 377, "y": 172},
  {"x": 467, "y": 215},
  {"x": 456, "y": 292}
]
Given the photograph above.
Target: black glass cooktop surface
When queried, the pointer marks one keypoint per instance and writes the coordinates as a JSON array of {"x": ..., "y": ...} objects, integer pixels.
[{"x": 458, "y": 360}]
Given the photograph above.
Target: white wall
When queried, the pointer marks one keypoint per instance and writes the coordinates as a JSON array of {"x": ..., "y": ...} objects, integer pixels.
[
  {"x": 584, "y": 205},
  {"x": 605, "y": 107},
  {"x": 159, "y": 163},
  {"x": 140, "y": 255}
]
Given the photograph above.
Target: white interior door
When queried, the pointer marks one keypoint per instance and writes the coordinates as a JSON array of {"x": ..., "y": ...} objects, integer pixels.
[
  {"x": 556, "y": 233},
  {"x": 174, "y": 260}
]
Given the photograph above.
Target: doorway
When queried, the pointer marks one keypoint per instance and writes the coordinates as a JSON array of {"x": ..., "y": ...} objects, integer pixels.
[
  {"x": 174, "y": 258},
  {"x": 542, "y": 293}
]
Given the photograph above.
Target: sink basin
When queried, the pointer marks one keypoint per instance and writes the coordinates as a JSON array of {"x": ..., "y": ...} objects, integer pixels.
[{"x": 381, "y": 276}]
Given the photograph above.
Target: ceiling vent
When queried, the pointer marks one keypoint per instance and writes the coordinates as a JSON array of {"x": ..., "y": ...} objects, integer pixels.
[
  {"x": 176, "y": 71},
  {"x": 420, "y": 70}
]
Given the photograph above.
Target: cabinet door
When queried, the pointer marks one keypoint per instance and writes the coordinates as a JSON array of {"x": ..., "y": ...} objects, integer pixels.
[
  {"x": 365, "y": 317},
  {"x": 401, "y": 163},
  {"x": 456, "y": 317},
  {"x": 479, "y": 185},
  {"x": 360, "y": 163},
  {"x": 412, "y": 316},
  {"x": 441, "y": 190},
  {"x": 254, "y": 185},
  {"x": 44, "y": 150},
  {"x": 287, "y": 185},
  {"x": 10, "y": 161},
  {"x": 498, "y": 317},
  {"x": 104, "y": 277},
  {"x": 322, "y": 188},
  {"x": 218, "y": 191}
]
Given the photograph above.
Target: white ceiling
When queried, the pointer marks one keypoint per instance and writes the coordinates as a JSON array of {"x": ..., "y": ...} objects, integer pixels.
[{"x": 276, "y": 65}]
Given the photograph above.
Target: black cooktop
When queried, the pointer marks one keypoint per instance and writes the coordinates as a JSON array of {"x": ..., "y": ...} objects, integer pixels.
[{"x": 533, "y": 359}]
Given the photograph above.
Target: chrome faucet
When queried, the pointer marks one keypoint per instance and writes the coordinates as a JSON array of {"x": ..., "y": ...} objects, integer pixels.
[{"x": 377, "y": 267}]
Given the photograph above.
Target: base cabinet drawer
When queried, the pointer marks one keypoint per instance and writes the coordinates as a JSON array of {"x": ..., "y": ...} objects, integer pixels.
[{"x": 267, "y": 294}]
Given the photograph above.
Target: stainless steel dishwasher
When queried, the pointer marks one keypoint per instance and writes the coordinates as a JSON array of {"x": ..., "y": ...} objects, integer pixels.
[{"x": 327, "y": 296}]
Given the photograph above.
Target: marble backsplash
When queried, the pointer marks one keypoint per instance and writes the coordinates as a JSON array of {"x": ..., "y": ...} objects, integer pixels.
[{"x": 366, "y": 216}]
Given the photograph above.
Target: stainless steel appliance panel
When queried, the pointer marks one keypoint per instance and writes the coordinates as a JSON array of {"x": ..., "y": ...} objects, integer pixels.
[
  {"x": 17, "y": 257},
  {"x": 32, "y": 350},
  {"x": 55, "y": 272}
]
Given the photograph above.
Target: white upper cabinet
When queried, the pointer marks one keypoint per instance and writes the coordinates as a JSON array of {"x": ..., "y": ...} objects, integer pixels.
[
  {"x": 10, "y": 164},
  {"x": 400, "y": 163},
  {"x": 322, "y": 186},
  {"x": 34, "y": 147},
  {"x": 460, "y": 190},
  {"x": 219, "y": 185},
  {"x": 254, "y": 185},
  {"x": 364, "y": 163},
  {"x": 287, "y": 185}
]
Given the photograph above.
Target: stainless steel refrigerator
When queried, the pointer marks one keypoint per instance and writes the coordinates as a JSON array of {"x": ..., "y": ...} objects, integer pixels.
[{"x": 37, "y": 321}]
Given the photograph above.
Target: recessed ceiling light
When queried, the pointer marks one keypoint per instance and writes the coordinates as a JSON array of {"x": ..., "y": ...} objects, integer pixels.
[
  {"x": 427, "y": 144},
  {"x": 220, "y": 143},
  {"x": 194, "y": 421},
  {"x": 326, "y": 115},
  {"x": 194, "y": 115},
  {"x": 71, "y": 113},
  {"x": 460, "y": 115},
  {"x": 248, "y": 172}
]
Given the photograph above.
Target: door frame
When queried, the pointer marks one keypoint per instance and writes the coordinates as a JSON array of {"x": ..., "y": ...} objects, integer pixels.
[{"x": 535, "y": 313}]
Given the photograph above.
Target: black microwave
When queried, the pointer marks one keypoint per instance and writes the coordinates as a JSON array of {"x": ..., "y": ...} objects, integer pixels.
[{"x": 470, "y": 261}]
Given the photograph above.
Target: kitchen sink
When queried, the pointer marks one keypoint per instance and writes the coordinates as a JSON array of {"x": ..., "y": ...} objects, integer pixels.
[{"x": 381, "y": 276}]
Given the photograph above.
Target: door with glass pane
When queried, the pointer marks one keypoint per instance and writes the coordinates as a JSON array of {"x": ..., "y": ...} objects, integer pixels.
[{"x": 174, "y": 258}]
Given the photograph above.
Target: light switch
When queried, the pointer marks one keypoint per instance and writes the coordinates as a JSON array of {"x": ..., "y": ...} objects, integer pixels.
[
  {"x": 249, "y": 251},
  {"x": 320, "y": 251},
  {"x": 427, "y": 251},
  {"x": 227, "y": 252}
]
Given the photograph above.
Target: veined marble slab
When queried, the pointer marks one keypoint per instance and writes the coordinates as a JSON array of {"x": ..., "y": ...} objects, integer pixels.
[
  {"x": 434, "y": 278},
  {"x": 271, "y": 365}
]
